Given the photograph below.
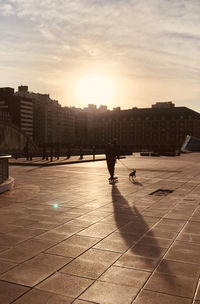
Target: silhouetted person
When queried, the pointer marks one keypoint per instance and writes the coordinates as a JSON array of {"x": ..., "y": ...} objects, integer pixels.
[
  {"x": 111, "y": 152},
  {"x": 47, "y": 152},
  {"x": 27, "y": 149},
  {"x": 44, "y": 151},
  {"x": 81, "y": 153},
  {"x": 68, "y": 152},
  {"x": 51, "y": 152},
  {"x": 93, "y": 152},
  {"x": 57, "y": 148}
]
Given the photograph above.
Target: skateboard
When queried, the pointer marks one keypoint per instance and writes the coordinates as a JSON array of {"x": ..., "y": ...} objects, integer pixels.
[{"x": 113, "y": 180}]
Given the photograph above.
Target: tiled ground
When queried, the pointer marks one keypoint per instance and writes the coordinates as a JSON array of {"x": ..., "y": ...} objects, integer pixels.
[
  {"x": 37, "y": 161},
  {"x": 67, "y": 236}
]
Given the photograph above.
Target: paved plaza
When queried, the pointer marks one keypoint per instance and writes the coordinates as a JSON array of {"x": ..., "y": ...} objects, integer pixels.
[
  {"x": 68, "y": 236},
  {"x": 38, "y": 161}
]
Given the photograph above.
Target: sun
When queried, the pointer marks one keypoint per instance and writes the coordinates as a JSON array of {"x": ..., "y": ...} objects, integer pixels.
[{"x": 96, "y": 89}]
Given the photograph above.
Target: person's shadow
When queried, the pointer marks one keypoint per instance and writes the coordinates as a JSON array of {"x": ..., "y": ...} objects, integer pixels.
[{"x": 137, "y": 234}]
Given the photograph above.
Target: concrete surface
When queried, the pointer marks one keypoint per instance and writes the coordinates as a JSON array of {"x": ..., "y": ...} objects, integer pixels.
[
  {"x": 38, "y": 161},
  {"x": 7, "y": 185},
  {"x": 68, "y": 236}
]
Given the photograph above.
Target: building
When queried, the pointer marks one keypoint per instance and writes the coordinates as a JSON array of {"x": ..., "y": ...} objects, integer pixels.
[
  {"x": 46, "y": 116},
  {"x": 160, "y": 129},
  {"x": 103, "y": 108},
  {"x": 17, "y": 109},
  {"x": 164, "y": 105}
]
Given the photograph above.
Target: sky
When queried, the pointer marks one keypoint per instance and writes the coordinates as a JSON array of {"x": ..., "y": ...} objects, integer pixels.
[{"x": 147, "y": 49}]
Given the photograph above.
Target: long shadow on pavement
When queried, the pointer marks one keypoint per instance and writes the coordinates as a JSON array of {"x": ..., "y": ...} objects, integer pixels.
[
  {"x": 35, "y": 168},
  {"x": 141, "y": 246}
]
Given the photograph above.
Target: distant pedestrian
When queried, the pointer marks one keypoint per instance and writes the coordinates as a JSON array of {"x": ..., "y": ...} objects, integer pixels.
[
  {"x": 27, "y": 149},
  {"x": 68, "y": 152},
  {"x": 44, "y": 151},
  {"x": 112, "y": 153},
  {"x": 81, "y": 153},
  {"x": 57, "y": 150},
  {"x": 51, "y": 151},
  {"x": 93, "y": 152}
]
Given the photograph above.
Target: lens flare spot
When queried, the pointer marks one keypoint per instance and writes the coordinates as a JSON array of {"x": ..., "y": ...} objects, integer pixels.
[{"x": 55, "y": 205}]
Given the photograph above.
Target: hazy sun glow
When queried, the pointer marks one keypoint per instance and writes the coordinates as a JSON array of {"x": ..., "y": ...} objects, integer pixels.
[{"x": 96, "y": 89}]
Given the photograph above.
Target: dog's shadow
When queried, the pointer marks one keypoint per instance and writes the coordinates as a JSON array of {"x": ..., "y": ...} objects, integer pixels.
[{"x": 133, "y": 181}]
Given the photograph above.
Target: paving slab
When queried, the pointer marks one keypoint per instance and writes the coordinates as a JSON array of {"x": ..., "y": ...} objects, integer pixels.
[
  {"x": 150, "y": 297},
  {"x": 107, "y": 293},
  {"x": 68, "y": 236},
  {"x": 9, "y": 292},
  {"x": 35, "y": 270},
  {"x": 64, "y": 284},
  {"x": 36, "y": 296}
]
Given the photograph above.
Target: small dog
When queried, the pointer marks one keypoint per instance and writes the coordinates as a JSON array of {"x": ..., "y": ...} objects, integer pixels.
[{"x": 132, "y": 175}]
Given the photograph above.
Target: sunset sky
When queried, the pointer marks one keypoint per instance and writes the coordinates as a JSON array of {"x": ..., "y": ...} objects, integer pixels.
[{"x": 139, "y": 51}]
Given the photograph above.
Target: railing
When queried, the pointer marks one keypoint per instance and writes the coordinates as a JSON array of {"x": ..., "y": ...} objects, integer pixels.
[{"x": 4, "y": 171}]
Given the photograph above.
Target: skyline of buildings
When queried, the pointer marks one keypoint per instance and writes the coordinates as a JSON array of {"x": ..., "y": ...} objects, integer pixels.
[{"x": 163, "y": 127}]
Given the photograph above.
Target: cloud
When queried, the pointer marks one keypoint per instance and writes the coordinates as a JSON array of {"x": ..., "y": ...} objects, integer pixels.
[
  {"x": 7, "y": 9},
  {"x": 46, "y": 33},
  {"x": 184, "y": 36},
  {"x": 144, "y": 39}
]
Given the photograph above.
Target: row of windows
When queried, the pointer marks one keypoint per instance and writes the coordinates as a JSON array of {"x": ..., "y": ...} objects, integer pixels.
[
  {"x": 3, "y": 107},
  {"x": 24, "y": 111},
  {"x": 28, "y": 121},
  {"x": 127, "y": 124},
  {"x": 26, "y": 125},
  {"x": 148, "y": 118},
  {"x": 26, "y": 116},
  {"x": 26, "y": 102}
]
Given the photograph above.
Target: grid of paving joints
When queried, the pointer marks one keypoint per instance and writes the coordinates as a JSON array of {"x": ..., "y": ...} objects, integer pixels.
[
  {"x": 96, "y": 243},
  {"x": 149, "y": 286}
]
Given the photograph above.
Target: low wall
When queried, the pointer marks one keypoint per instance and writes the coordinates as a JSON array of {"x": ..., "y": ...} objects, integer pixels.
[
  {"x": 14, "y": 141},
  {"x": 6, "y": 182}
]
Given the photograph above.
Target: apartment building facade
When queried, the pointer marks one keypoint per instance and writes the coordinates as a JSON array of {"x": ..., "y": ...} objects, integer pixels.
[
  {"x": 47, "y": 116},
  {"x": 17, "y": 109},
  {"x": 149, "y": 129},
  {"x": 53, "y": 124},
  {"x": 163, "y": 127}
]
